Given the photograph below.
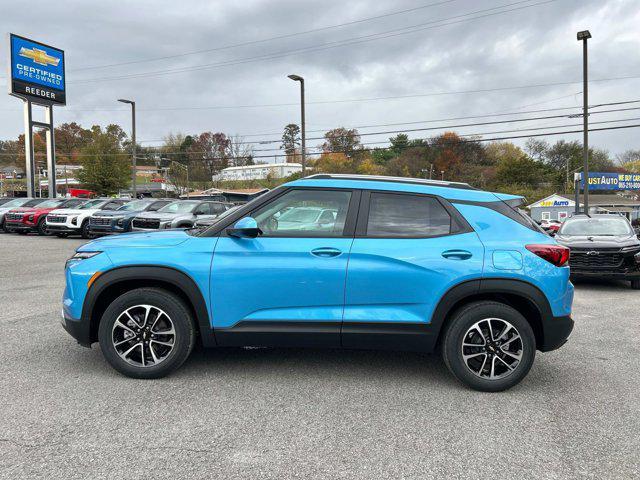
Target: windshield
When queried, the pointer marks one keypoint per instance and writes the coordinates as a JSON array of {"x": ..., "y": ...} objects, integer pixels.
[
  {"x": 596, "y": 227},
  {"x": 179, "y": 207},
  {"x": 33, "y": 203},
  {"x": 135, "y": 205},
  {"x": 18, "y": 202},
  {"x": 300, "y": 215},
  {"x": 50, "y": 204},
  {"x": 91, "y": 204}
]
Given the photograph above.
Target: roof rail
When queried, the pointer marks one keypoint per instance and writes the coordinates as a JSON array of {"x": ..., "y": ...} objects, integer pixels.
[{"x": 382, "y": 178}]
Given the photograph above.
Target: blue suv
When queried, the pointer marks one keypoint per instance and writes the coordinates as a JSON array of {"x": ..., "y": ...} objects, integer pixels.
[{"x": 338, "y": 261}]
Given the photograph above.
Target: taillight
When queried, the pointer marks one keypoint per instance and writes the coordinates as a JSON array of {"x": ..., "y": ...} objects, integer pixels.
[{"x": 556, "y": 254}]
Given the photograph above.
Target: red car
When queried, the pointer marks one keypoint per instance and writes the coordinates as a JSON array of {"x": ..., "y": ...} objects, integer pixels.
[{"x": 32, "y": 219}]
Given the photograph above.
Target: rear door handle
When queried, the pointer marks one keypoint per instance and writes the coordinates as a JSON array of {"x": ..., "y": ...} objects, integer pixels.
[
  {"x": 457, "y": 254},
  {"x": 326, "y": 252}
]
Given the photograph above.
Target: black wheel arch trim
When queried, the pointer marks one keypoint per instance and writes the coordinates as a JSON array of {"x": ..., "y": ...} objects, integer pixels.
[
  {"x": 521, "y": 288},
  {"x": 170, "y": 275}
]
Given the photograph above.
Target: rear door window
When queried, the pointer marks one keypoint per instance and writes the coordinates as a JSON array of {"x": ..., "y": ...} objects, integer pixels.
[{"x": 401, "y": 215}]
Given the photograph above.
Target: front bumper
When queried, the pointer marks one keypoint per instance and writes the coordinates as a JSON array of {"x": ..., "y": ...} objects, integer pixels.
[
  {"x": 53, "y": 228},
  {"x": 77, "y": 329},
  {"x": 16, "y": 226},
  {"x": 556, "y": 332},
  {"x": 612, "y": 274}
]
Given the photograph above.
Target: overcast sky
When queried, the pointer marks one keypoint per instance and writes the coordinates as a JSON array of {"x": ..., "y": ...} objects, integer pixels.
[{"x": 411, "y": 50}]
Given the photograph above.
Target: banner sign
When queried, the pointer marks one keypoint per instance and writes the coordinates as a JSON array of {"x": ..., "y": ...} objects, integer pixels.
[
  {"x": 613, "y": 181},
  {"x": 36, "y": 71}
]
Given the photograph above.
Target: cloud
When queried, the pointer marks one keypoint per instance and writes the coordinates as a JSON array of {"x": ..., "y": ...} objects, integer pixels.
[{"x": 534, "y": 45}]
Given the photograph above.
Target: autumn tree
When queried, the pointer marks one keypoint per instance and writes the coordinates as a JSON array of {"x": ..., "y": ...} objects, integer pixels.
[
  {"x": 240, "y": 152},
  {"x": 342, "y": 140},
  {"x": 208, "y": 154}
]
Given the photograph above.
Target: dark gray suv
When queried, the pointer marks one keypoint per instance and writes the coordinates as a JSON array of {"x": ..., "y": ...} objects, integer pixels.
[{"x": 604, "y": 246}]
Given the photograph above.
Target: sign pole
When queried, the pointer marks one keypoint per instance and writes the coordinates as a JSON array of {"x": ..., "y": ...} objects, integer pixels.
[
  {"x": 51, "y": 152},
  {"x": 28, "y": 149}
]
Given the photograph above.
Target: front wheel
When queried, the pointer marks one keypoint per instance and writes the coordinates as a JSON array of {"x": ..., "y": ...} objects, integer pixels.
[
  {"x": 146, "y": 333},
  {"x": 84, "y": 230},
  {"x": 489, "y": 346},
  {"x": 635, "y": 284},
  {"x": 42, "y": 227}
]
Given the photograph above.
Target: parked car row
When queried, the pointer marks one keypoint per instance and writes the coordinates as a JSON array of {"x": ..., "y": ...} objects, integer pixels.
[{"x": 104, "y": 216}]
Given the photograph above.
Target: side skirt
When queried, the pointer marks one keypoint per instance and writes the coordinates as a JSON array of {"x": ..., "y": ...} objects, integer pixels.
[{"x": 352, "y": 335}]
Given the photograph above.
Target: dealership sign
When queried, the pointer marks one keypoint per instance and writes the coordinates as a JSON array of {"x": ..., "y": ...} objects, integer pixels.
[
  {"x": 613, "y": 181},
  {"x": 36, "y": 71},
  {"x": 554, "y": 200}
]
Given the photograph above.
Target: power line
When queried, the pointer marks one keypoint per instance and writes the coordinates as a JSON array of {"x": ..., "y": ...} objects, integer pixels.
[
  {"x": 269, "y": 39},
  {"x": 329, "y": 45},
  {"x": 469, "y": 140}
]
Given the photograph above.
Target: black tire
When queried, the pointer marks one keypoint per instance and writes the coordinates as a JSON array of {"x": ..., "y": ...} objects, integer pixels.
[
  {"x": 635, "y": 284},
  {"x": 84, "y": 230},
  {"x": 42, "y": 227},
  {"x": 62, "y": 235},
  {"x": 3, "y": 227},
  {"x": 176, "y": 310},
  {"x": 460, "y": 327}
]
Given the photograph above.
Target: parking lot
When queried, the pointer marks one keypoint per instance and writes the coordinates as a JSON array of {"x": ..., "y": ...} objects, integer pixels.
[{"x": 271, "y": 413}]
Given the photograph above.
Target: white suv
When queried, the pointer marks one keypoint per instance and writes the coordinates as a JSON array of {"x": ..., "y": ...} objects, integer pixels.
[{"x": 75, "y": 221}]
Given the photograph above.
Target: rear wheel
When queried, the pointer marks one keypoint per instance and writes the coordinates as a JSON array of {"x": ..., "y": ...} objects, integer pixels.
[
  {"x": 635, "y": 284},
  {"x": 489, "y": 346},
  {"x": 146, "y": 333}
]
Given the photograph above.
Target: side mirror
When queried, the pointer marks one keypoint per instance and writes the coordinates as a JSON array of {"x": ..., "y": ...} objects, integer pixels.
[{"x": 246, "y": 227}]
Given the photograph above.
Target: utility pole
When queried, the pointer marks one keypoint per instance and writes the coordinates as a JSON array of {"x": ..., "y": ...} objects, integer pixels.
[
  {"x": 133, "y": 144},
  {"x": 584, "y": 36},
  {"x": 298, "y": 78}
]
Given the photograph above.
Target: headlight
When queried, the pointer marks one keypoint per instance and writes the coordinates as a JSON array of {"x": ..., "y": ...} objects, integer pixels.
[
  {"x": 631, "y": 248},
  {"x": 74, "y": 220},
  {"x": 79, "y": 256}
]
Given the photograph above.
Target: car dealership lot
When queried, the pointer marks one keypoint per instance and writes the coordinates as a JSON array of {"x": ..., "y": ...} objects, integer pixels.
[{"x": 274, "y": 413}]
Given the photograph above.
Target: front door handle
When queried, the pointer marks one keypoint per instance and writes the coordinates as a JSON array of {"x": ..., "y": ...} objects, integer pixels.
[
  {"x": 326, "y": 252},
  {"x": 457, "y": 254}
]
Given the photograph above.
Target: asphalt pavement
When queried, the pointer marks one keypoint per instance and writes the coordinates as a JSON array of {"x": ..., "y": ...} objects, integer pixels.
[{"x": 275, "y": 413}]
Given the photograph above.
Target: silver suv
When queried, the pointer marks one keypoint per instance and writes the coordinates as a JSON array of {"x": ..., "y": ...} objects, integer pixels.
[{"x": 179, "y": 214}]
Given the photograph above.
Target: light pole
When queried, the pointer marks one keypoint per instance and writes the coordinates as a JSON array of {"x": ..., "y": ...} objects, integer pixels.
[
  {"x": 133, "y": 143},
  {"x": 584, "y": 36},
  {"x": 442, "y": 175},
  {"x": 298, "y": 78}
]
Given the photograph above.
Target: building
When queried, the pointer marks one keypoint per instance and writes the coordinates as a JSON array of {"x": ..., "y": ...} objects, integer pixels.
[
  {"x": 260, "y": 171},
  {"x": 241, "y": 195},
  {"x": 559, "y": 207}
]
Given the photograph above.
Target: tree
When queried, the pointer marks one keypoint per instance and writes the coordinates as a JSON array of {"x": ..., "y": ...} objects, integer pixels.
[
  {"x": 240, "y": 152},
  {"x": 291, "y": 141},
  {"x": 105, "y": 168},
  {"x": 209, "y": 153},
  {"x": 629, "y": 156},
  {"x": 342, "y": 140},
  {"x": 514, "y": 166}
]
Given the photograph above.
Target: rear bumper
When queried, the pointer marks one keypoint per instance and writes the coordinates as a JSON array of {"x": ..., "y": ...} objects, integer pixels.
[{"x": 556, "y": 333}]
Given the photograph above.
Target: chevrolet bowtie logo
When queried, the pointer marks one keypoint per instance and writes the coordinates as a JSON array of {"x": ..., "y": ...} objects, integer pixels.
[{"x": 39, "y": 56}]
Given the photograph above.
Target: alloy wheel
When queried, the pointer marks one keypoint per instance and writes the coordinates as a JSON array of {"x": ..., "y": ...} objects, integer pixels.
[
  {"x": 492, "y": 348},
  {"x": 143, "y": 335}
]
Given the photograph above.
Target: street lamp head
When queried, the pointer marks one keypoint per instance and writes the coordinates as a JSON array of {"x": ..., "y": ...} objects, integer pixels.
[
  {"x": 584, "y": 35},
  {"x": 296, "y": 78},
  {"x": 125, "y": 101}
]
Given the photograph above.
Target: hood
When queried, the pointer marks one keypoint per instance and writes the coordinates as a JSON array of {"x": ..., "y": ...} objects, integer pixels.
[
  {"x": 21, "y": 209},
  {"x": 597, "y": 241},
  {"x": 162, "y": 215},
  {"x": 70, "y": 211},
  {"x": 164, "y": 238},
  {"x": 116, "y": 213},
  {"x": 33, "y": 210}
]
